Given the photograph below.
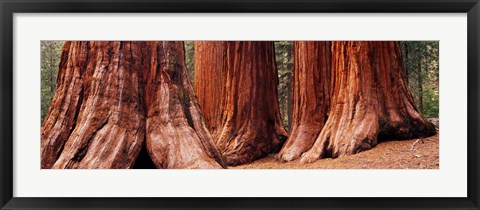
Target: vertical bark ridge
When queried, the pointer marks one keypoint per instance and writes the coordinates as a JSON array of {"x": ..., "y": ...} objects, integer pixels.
[
  {"x": 311, "y": 96},
  {"x": 61, "y": 117},
  {"x": 370, "y": 100},
  {"x": 110, "y": 94},
  {"x": 251, "y": 126},
  {"x": 109, "y": 130},
  {"x": 177, "y": 136},
  {"x": 209, "y": 80}
]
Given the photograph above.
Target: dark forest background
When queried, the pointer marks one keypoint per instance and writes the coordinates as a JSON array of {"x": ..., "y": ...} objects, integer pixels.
[{"x": 421, "y": 60}]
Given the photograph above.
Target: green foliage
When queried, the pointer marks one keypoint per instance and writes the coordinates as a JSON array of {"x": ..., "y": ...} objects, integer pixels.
[
  {"x": 430, "y": 103},
  {"x": 50, "y": 58},
  {"x": 421, "y": 63},
  {"x": 189, "y": 59},
  {"x": 284, "y": 61}
]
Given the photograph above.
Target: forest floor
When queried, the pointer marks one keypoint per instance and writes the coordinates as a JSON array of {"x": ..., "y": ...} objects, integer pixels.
[{"x": 386, "y": 155}]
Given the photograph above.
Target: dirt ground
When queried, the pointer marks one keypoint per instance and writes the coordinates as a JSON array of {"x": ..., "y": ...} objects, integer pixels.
[{"x": 386, "y": 155}]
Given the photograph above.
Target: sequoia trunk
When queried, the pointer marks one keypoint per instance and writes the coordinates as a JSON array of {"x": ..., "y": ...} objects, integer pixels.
[
  {"x": 311, "y": 96},
  {"x": 209, "y": 80},
  {"x": 109, "y": 129},
  {"x": 62, "y": 115},
  {"x": 177, "y": 136},
  {"x": 370, "y": 101},
  {"x": 109, "y": 94},
  {"x": 251, "y": 126}
]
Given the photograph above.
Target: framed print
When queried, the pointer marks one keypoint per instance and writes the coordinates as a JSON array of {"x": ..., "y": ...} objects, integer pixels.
[{"x": 239, "y": 105}]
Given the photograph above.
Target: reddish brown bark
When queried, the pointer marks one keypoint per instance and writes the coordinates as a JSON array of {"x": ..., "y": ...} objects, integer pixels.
[
  {"x": 61, "y": 116},
  {"x": 251, "y": 126},
  {"x": 370, "y": 101},
  {"x": 210, "y": 80},
  {"x": 110, "y": 94},
  {"x": 311, "y": 96},
  {"x": 109, "y": 129},
  {"x": 177, "y": 136}
]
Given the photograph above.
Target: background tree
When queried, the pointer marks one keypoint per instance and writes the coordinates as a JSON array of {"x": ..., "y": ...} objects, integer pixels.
[
  {"x": 111, "y": 95},
  {"x": 50, "y": 54},
  {"x": 251, "y": 126},
  {"x": 284, "y": 59},
  {"x": 311, "y": 96},
  {"x": 189, "y": 59},
  {"x": 370, "y": 101},
  {"x": 422, "y": 69}
]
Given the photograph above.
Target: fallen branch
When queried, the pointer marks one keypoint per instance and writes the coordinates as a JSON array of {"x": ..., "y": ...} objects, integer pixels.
[{"x": 414, "y": 143}]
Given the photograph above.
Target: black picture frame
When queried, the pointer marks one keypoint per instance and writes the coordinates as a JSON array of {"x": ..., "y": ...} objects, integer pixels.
[{"x": 9, "y": 7}]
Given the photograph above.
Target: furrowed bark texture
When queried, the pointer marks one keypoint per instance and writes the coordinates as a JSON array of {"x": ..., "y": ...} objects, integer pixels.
[
  {"x": 109, "y": 131},
  {"x": 311, "y": 96},
  {"x": 61, "y": 116},
  {"x": 210, "y": 80},
  {"x": 251, "y": 126},
  {"x": 370, "y": 101},
  {"x": 98, "y": 118},
  {"x": 177, "y": 136}
]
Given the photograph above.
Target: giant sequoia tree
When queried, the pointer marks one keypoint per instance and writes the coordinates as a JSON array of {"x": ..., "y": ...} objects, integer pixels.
[
  {"x": 115, "y": 98},
  {"x": 250, "y": 126},
  {"x": 113, "y": 95},
  {"x": 370, "y": 101},
  {"x": 210, "y": 80},
  {"x": 311, "y": 96}
]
